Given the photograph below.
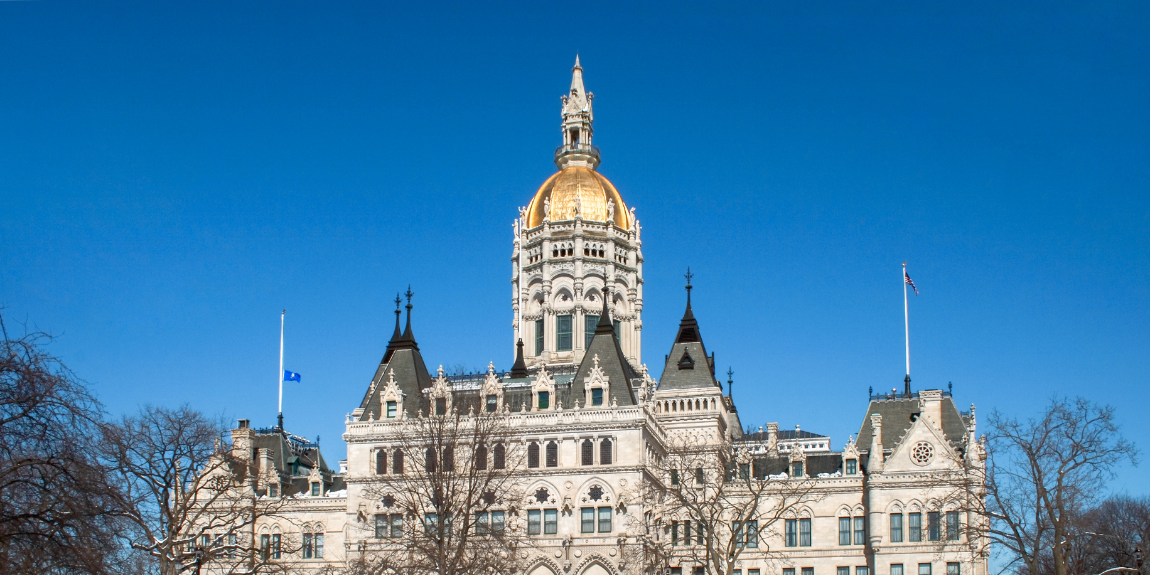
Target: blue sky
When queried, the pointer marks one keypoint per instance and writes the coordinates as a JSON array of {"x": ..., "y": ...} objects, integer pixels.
[{"x": 172, "y": 175}]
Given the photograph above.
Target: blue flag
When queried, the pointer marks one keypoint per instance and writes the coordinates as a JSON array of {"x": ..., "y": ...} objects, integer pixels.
[{"x": 290, "y": 376}]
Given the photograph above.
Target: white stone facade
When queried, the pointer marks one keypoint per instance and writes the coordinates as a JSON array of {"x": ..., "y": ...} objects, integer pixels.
[{"x": 893, "y": 471}]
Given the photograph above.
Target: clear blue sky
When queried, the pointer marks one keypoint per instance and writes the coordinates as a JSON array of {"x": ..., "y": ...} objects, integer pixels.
[{"x": 174, "y": 174}]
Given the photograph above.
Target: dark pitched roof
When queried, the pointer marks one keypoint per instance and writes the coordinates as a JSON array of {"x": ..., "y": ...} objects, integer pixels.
[
  {"x": 898, "y": 414},
  {"x": 784, "y": 435},
  {"x": 411, "y": 374},
  {"x": 688, "y": 366},
  {"x": 614, "y": 364}
]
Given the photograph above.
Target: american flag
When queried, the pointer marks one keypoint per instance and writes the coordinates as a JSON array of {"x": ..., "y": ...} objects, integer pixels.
[{"x": 909, "y": 281}]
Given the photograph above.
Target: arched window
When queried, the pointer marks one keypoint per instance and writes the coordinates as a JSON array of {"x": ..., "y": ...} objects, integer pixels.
[
  {"x": 448, "y": 459},
  {"x": 380, "y": 462},
  {"x": 533, "y": 454},
  {"x": 429, "y": 460},
  {"x": 397, "y": 461},
  {"x": 481, "y": 457},
  {"x": 588, "y": 452},
  {"x": 605, "y": 452},
  {"x": 552, "y": 454},
  {"x": 498, "y": 457}
]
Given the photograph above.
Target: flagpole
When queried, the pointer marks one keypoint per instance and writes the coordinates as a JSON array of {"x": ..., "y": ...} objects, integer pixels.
[
  {"x": 906, "y": 318},
  {"x": 281, "y": 376}
]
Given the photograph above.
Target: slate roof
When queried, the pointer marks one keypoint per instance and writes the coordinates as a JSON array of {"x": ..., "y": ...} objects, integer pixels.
[
  {"x": 784, "y": 435},
  {"x": 898, "y": 414},
  {"x": 614, "y": 364},
  {"x": 688, "y": 365},
  {"x": 294, "y": 457},
  {"x": 402, "y": 356},
  {"x": 815, "y": 464}
]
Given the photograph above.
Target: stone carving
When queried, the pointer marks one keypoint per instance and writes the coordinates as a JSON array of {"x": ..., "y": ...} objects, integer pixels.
[{"x": 610, "y": 210}]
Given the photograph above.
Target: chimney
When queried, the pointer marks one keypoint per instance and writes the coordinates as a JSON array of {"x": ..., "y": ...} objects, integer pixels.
[
  {"x": 930, "y": 405},
  {"x": 242, "y": 441},
  {"x": 876, "y": 457},
  {"x": 772, "y": 437}
]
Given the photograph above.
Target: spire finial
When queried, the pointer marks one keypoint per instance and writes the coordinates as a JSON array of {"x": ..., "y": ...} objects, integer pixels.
[
  {"x": 730, "y": 380},
  {"x": 397, "y": 302},
  {"x": 689, "y": 275},
  {"x": 409, "y": 294}
]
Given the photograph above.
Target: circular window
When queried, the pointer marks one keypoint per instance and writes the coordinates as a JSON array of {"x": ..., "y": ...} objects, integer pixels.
[{"x": 922, "y": 453}]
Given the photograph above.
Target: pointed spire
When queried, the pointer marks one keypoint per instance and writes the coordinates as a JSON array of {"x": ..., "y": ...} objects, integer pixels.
[
  {"x": 688, "y": 327},
  {"x": 605, "y": 325},
  {"x": 407, "y": 331},
  {"x": 519, "y": 369},
  {"x": 577, "y": 89},
  {"x": 395, "y": 336},
  {"x": 577, "y": 119}
]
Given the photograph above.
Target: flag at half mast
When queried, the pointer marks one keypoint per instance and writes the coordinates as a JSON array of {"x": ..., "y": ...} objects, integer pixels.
[{"x": 291, "y": 376}]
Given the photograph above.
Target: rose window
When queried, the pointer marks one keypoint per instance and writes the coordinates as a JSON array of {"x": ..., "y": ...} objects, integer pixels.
[
  {"x": 542, "y": 495},
  {"x": 922, "y": 453},
  {"x": 596, "y": 493}
]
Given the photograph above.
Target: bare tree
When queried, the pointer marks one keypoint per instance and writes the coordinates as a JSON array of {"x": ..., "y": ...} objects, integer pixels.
[
  {"x": 1042, "y": 474},
  {"x": 54, "y": 513},
  {"x": 709, "y": 503},
  {"x": 189, "y": 502},
  {"x": 1107, "y": 536},
  {"x": 449, "y": 500}
]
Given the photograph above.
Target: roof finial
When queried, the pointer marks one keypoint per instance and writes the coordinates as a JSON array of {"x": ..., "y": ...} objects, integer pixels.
[
  {"x": 577, "y": 61},
  {"x": 689, "y": 275},
  {"x": 730, "y": 380},
  {"x": 407, "y": 335}
]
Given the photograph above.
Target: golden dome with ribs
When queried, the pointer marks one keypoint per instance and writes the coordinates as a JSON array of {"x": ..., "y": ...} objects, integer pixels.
[{"x": 577, "y": 186}]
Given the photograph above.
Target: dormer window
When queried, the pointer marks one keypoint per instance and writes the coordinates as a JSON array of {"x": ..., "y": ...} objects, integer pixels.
[
  {"x": 544, "y": 400},
  {"x": 441, "y": 406},
  {"x": 315, "y": 490},
  {"x": 852, "y": 466},
  {"x": 597, "y": 396},
  {"x": 273, "y": 490},
  {"x": 797, "y": 469},
  {"x": 686, "y": 362},
  {"x": 390, "y": 409},
  {"x": 492, "y": 403}
]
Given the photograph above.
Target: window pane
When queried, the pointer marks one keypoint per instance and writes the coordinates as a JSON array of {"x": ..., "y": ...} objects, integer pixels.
[
  {"x": 843, "y": 571},
  {"x": 497, "y": 458},
  {"x": 538, "y": 337},
  {"x": 932, "y": 525},
  {"x": 588, "y": 452},
  {"x": 533, "y": 454},
  {"x": 896, "y": 569},
  {"x": 852, "y": 466},
  {"x": 563, "y": 333},
  {"x": 604, "y": 520},
  {"x": 319, "y": 545},
  {"x": 481, "y": 457},
  {"x": 275, "y": 546},
  {"x": 808, "y": 571},
  {"x": 587, "y": 520},
  {"x": 552, "y": 454},
  {"x": 686, "y": 532},
  {"x": 380, "y": 526},
  {"x": 315, "y": 490},
  {"x": 605, "y": 452},
  {"x": 397, "y": 462},
  {"x": 589, "y": 322},
  {"x": 951, "y": 527},
  {"x": 544, "y": 399},
  {"x": 914, "y": 529},
  {"x": 533, "y": 519},
  {"x": 896, "y": 527},
  {"x": 953, "y": 569},
  {"x": 307, "y": 545},
  {"x": 481, "y": 524},
  {"x": 550, "y": 521},
  {"x": 391, "y": 409},
  {"x": 396, "y": 525},
  {"x": 787, "y": 571},
  {"x": 844, "y": 530},
  {"x": 674, "y": 533},
  {"x": 862, "y": 571},
  {"x": 497, "y": 522},
  {"x": 792, "y": 533},
  {"x": 699, "y": 478},
  {"x": 752, "y": 534},
  {"x": 804, "y": 532},
  {"x": 617, "y": 326},
  {"x": 860, "y": 530},
  {"x": 924, "y": 569},
  {"x": 597, "y": 396},
  {"x": 380, "y": 462},
  {"x": 797, "y": 469},
  {"x": 674, "y": 477},
  {"x": 441, "y": 406},
  {"x": 492, "y": 403}
]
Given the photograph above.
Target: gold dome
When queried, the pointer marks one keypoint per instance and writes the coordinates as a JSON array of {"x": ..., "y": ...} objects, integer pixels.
[{"x": 572, "y": 182}]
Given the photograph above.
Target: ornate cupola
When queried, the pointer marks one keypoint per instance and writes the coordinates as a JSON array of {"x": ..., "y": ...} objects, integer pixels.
[
  {"x": 575, "y": 242},
  {"x": 577, "y": 117}
]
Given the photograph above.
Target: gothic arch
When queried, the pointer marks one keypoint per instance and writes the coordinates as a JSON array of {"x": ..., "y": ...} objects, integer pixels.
[
  {"x": 543, "y": 566},
  {"x": 895, "y": 506},
  {"x": 554, "y": 495},
  {"x": 583, "y": 497},
  {"x": 596, "y": 564}
]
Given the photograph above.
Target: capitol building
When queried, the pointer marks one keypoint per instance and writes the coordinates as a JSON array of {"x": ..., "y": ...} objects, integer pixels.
[{"x": 592, "y": 463}]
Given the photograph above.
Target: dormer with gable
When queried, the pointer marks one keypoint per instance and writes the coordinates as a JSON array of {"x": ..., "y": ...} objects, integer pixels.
[
  {"x": 492, "y": 391},
  {"x": 543, "y": 391},
  {"x": 439, "y": 395}
]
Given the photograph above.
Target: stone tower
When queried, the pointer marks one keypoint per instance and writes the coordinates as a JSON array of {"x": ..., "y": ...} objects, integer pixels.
[{"x": 575, "y": 242}]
